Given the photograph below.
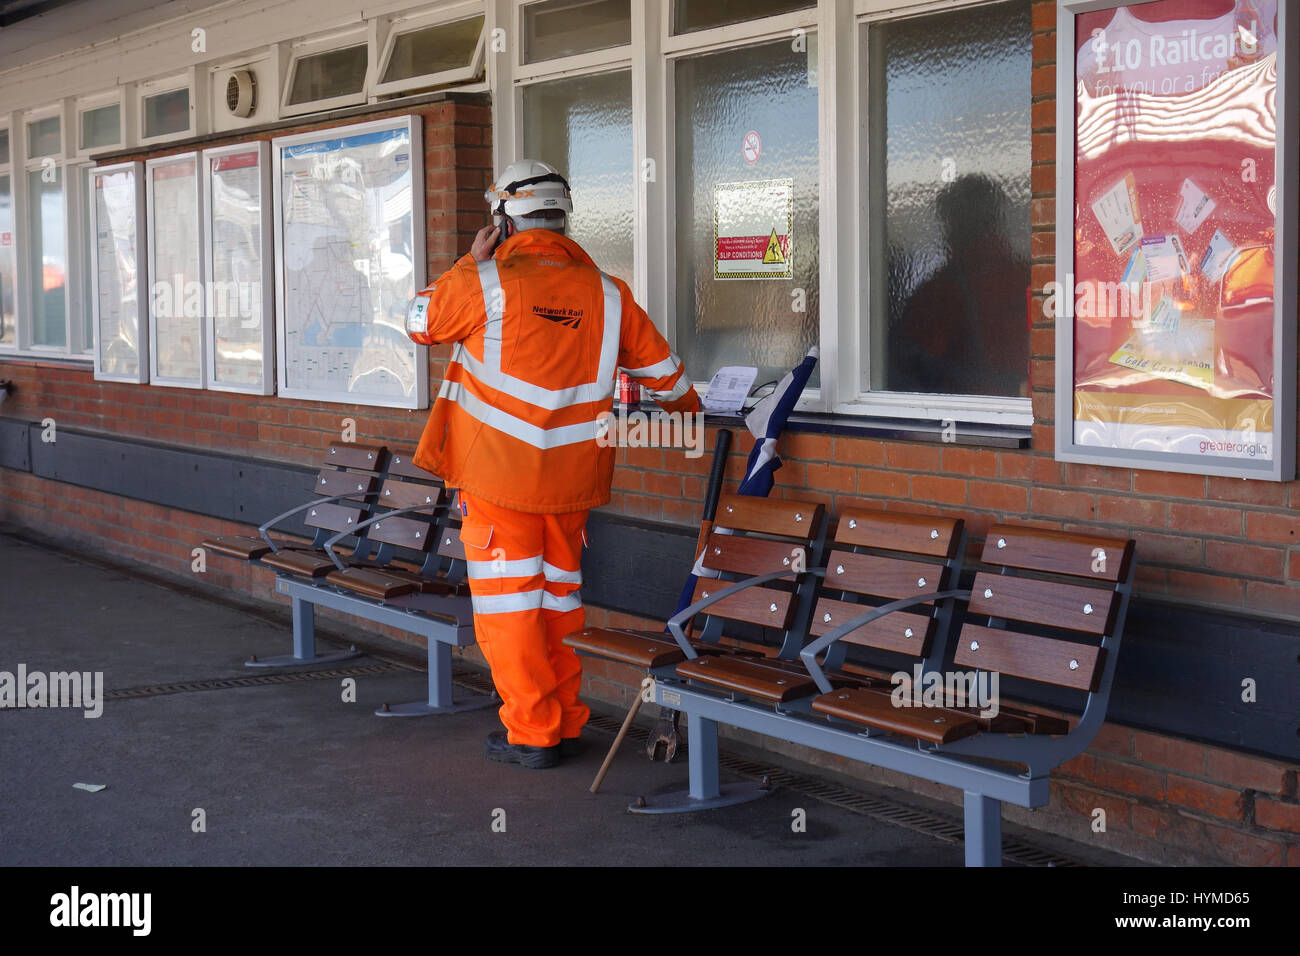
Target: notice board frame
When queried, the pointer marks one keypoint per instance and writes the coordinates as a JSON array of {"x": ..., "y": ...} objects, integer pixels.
[{"x": 1282, "y": 466}]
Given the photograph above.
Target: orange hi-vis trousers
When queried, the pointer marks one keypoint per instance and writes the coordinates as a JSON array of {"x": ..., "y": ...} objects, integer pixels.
[{"x": 524, "y": 576}]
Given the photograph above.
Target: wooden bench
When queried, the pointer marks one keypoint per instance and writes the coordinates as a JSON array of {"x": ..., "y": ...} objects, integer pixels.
[
  {"x": 1046, "y": 607},
  {"x": 405, "y": 568}
]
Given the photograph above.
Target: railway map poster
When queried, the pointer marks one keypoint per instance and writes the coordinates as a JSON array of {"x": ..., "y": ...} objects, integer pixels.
[
  {"x": 350, "y": 230},
  {"x": 1173, "y": 281}
]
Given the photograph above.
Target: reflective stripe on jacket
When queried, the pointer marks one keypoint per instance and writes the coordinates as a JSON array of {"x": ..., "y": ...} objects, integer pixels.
[{"x": 539, "y": 335}]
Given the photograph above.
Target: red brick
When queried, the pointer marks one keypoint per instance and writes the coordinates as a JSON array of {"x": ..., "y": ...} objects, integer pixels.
[
  {"x": 1042, "y": 244},
  {"x": 1293, "y": 571},
  {"x": 1043, "y": 16},
  {"x": 806, "y": 446},
  {"x": 883, "y": 483},
  {"x": 912, "y": 457},
  {"x": 1043, "y": 81},
  {"x": 1205, "y": 797},
  {"x": 831, "y": 477},
  {"x": 1080, "y": 767},
  {"x": 858, "y": 451},
  {"x": 1293, "y": 855},
  {"x": 1239, "y": 847},
  {"x": 1042, "y": 212},
  {"x": 1262, "y": 597},
  {"x": 1167, "y": 484},
  {"x": 1158, "y": 823},
  {"x": 1244, "y": 559},
  {"x": 1206, "y": 588},
  {"x": 1084, "y": 803},
  {"x": 1246, "y": 491},
  {"x": 1113, "y": 739},
  {"x": 1070, "y": 504},
  {"x": 1042, "y": 176},
  {"x": 943, "y": 490},
  {"x": 1014, "y": 465},
  {"x": 1261, "y": 527},
  {"x": 970, "y": 462},
  {"x": 1133, "y": 512},
  {"x": 1206, "y": 519},
  {"x": 1170, "y": 752},
  {"x": 1129, "y": 778},
  {"x": 997, "y": 497},
  {"x": 1275, "y": 815},
  {"x": 1169, "y": 548},
  {"x": 668, "y": 486}
]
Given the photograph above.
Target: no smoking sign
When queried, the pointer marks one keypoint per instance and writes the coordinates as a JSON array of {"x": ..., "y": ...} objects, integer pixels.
[{"x": 752, "y": 147}]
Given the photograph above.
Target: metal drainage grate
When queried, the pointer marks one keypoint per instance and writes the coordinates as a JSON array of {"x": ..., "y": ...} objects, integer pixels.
[
  {"x": 936, "y": 825},
  {"x": 226, "y": 683}
]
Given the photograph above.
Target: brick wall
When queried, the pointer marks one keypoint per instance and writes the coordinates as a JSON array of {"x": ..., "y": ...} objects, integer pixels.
[{"x": 1225, "y": 543}]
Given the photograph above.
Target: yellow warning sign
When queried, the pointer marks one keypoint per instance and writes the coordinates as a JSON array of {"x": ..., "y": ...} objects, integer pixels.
[{"x": 773, "y": 253}]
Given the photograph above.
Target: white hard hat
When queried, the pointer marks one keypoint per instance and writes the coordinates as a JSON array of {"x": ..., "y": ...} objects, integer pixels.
[{"x": 524, "y": 189}]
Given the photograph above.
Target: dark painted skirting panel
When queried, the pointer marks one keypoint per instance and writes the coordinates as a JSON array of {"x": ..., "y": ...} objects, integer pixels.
[{"x": 1180, "y": 670}]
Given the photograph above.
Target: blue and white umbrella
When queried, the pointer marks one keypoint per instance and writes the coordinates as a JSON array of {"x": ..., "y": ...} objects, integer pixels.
[{"x": 767, "y": 420}]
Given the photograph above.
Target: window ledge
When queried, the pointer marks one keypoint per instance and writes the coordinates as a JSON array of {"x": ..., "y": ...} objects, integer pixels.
[{"x": 891, "y": 429}]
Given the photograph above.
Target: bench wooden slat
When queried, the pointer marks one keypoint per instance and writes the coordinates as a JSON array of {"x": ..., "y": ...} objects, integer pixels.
[
  {"x": 449, "y": 543},
  {"x": 748, "y": 555},
  {"x": 888, "y": 633},
  {"x": 1072, "y": 606},
  {"x": 401, "y": 464},
  {"x": 778, "y": 516},
  {"x": 245, "y": 547},
  {"x": 626, "y": 647},
  {"x": 408, "y": 494},
  {"x": 332, "y": 517},
  {"x": 749, "y": 677},
  {"x": 879, "y": 576},
  {"x": 331, "y": 482},
  {"x": 1045, "y": 659},
  {"x": 352, "y": 455},
  {"x": 1035, "y": 549},
  {"x": 755, "y": 605},
  {"x": 369, "y": 582},
  {"x": 404, "y": 532},
  {"x": 917, "y": 534},
  {"x": 875, "y": 708},
  {"x": 307, "y": 564}
]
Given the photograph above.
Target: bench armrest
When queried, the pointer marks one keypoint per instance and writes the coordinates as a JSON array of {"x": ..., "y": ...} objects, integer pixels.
[
  {"x": 264, "y": 529},
  {"x": 809, "y": 654},
  {"x": 681, "y": 617},
  {"x": 329, "y": 545}
]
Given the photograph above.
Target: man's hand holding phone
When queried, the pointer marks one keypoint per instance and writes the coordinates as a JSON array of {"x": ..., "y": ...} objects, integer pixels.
[{"x": 485, "y": 243}]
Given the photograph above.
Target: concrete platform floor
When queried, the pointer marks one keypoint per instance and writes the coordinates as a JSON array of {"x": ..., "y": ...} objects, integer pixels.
[{"x": 291, "y": 774}]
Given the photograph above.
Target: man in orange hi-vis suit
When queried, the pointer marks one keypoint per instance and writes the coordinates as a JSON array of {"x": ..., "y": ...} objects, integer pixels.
[{"x": 519, "y": 427}]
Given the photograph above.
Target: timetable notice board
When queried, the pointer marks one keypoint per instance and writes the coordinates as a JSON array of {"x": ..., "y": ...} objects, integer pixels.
[
  {"x": 349, "y": 231},
  {"x": 1175, "y": 281}
]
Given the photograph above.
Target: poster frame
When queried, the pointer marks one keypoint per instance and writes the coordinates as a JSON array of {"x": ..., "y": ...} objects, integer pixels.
[
  {"x": 1282, "y": 466},
  {"x": 412, "y": 124},
  {"x": 267, "y": 272},
  {"x": 142, "y": 279},
  {"x": 150, "y": 166}
]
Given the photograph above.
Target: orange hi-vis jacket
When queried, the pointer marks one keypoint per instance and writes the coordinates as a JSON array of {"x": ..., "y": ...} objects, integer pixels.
[{"x": 540, "y": 333}]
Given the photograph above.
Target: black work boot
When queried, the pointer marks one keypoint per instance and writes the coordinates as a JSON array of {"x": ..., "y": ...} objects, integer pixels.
[
  {"x": 571, "y": 747},
  {"x": 498, "y": 748}
]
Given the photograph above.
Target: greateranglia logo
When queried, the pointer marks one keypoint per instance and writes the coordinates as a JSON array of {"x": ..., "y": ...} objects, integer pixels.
[{"x": 74, "y": 908}]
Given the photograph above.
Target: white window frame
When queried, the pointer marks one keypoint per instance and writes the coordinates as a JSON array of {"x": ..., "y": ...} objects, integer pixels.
[
  {"x": 390, "y": 28},
  {"x": 336, "y": 40},
  {"x": 6, "y": 169},
  {"x": 150, "y": 165},
  {"x": 142, "y": 281},
  {"x": 268, "y": 277},
  {"x": 834, "y": 29},
  {"x": 86, "y": 104},
  {"x": 169, "y": 84}
]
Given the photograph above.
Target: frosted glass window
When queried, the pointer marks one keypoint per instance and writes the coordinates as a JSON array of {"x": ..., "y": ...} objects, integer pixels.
[
  {"x": 949, "y": 142},
  {"x": 102, "y": 126},
  {"x": 324, "y": 76},
  {"x": 43, "y": 137},
  {"x": 436, "y": 49},
  {"x": 47, "y": 240},
  {"x": 692, "y": 15},
  {"x": 4, "y": 147},
  {"x": 167, "y": 113},
  {"x": 583, "y": 127},
  {"x": 564, "y": 27},
  {"x": 731, "y": 106},
  {"x": 8, "y": 272}
]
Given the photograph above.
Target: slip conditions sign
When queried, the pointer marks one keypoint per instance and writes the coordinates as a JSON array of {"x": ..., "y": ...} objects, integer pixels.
[{"x": 753, "y": 229}]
